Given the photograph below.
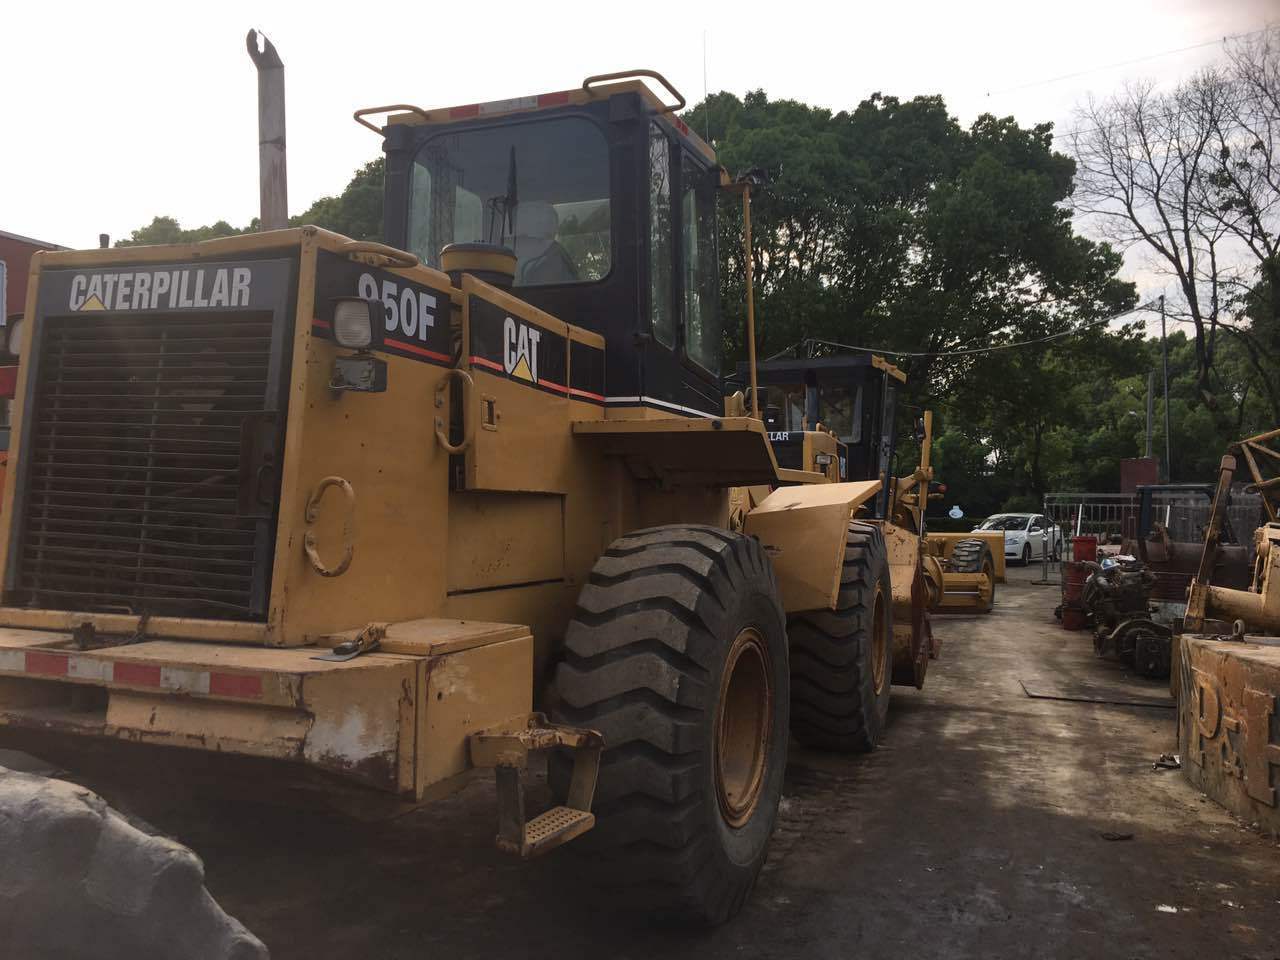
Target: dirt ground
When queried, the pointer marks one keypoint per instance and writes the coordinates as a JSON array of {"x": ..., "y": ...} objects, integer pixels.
[{"x": 988, "y": 824}]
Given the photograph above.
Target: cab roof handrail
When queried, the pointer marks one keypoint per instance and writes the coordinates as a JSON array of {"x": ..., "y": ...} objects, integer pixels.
[
  {"x": 360, "y": 115},
  {"x": 630, "y": 74}
]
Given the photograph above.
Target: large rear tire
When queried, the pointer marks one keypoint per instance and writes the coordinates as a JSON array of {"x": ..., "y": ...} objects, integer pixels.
[
  {"x": 841, "y": 660},
  {"x": 677, "y": 653}
]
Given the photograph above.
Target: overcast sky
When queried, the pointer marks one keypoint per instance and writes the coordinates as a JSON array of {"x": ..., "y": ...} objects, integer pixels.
[{"x": 116, "y": 112}]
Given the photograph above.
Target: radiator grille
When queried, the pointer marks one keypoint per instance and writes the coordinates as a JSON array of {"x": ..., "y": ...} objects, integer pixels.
[{"x": 133, "y": 466}]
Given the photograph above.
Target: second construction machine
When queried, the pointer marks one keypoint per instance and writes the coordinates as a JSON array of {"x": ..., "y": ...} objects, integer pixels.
[{"x": 374, "y": 517}]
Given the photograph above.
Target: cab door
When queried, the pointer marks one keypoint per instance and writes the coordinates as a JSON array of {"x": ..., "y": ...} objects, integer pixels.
[{"x": 681, "y": 371}]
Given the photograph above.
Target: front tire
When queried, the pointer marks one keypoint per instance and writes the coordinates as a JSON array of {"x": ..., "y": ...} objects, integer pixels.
[
  {"x": 677, "y": 653},
  {"x": 1026, "y": 555},
  {"x": 841, "y": 660}
]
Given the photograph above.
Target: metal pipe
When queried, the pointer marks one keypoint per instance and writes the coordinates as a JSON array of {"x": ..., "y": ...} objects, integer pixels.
[
  {"x": 273, "y": 192},
  {"x": 751, "y": 304}
]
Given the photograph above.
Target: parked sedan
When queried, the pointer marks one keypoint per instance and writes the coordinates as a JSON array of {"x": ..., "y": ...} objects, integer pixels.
[{"x": 1026, "y": 535}]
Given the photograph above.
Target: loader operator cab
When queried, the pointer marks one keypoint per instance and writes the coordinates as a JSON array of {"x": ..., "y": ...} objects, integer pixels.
[
  {"x": 854, "y": 397},
  {"x": 607, "y": 200}
]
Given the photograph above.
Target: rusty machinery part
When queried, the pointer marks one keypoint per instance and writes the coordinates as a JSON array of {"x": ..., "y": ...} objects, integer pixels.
[
  {"x": 1115, "y": 591},
  {"x": 115, "y": 890},
  {"x": 677, "y": 654},
  {"x": 1228, "y": 710},
  {"x": 309, "y": 544},
  {"x": 1263, "y": 461},
  {"x": 1145, "y": 644},
  {"x": 506, "y": 749},
  {"x": 840, "y": 659},
  {"x": 1259, "y": 606}
]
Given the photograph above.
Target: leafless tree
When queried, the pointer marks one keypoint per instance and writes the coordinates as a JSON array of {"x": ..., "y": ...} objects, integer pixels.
[{"x": 1191, "y": 174}]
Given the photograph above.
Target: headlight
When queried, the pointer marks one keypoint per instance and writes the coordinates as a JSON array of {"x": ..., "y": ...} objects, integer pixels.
[
  {"x": 14, "y": 341},
  {"x": 354, "y": 322}
]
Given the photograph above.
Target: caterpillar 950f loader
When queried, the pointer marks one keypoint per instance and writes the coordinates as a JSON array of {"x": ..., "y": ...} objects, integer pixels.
[{"x": 383, "y": 515}]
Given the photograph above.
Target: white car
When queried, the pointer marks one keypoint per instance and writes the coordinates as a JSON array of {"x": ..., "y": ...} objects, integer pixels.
[{"x": 1026, "y": 535}]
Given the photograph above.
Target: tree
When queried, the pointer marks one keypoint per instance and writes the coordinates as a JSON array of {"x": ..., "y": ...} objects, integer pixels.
[
  {"x": 355, "y": 213},
  {"x": 890, "y": 225},
  {"x": 1192, "y": 175},
  {"x": 168, "y": 230}
]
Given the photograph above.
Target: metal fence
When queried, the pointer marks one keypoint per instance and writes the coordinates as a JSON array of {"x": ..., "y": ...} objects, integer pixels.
[{"x": 1110, "y": 516}]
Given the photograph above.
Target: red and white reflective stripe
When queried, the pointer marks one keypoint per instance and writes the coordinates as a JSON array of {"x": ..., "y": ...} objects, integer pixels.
[
  {"x": 508, "y": 106},
  {"x": 132, "y": 673},
  {"x": 514, "y": 105}
]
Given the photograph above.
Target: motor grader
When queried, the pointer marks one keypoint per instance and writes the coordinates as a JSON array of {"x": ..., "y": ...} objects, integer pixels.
[
  {"x": 853, "y": 397},
  {"x": 377, "y": 516}
]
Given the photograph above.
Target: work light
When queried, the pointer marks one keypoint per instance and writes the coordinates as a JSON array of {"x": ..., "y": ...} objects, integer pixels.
[{"x": 354, "y": 322}]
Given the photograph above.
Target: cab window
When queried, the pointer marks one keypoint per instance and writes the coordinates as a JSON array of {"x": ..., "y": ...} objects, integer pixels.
[
  {"x": 540, "y": 188},
  {"x": 700, "y": 313},
  {"x": 661, "y": 307}
]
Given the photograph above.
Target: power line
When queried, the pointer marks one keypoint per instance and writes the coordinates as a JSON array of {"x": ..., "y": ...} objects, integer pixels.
[
  {"x": 971, "y": 351},
  {"x": 1127, "y": 63}
]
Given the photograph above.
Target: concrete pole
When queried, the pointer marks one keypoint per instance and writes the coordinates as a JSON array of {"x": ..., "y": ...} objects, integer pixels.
[
  {"x": 273, "y": 192},
  {"x": 1151, "y": 408},
  {"x": 751, "y": 301},
  {"x": 1168, "y": 441}
]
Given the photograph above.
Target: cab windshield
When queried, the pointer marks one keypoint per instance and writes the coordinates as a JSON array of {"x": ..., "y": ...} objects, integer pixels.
[{"x": 540, "y": 188}]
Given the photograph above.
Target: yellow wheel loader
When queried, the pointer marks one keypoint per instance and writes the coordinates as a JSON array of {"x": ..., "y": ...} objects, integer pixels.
[{"x": 370, "y": 517}]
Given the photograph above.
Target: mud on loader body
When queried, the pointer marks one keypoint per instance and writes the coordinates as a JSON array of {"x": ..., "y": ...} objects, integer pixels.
[{"x": 360, "y": 512}]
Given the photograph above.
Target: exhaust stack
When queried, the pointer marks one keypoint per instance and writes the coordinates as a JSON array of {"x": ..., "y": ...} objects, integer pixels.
[{"x": 273, "y": 190}]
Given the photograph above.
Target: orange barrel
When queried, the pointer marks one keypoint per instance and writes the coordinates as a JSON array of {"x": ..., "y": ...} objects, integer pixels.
[
  {"x": 1084, "y": 548},
  {"x": 1073, "y": 577}
]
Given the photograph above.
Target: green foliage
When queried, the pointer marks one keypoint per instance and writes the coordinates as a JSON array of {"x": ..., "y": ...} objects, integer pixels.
[
  {"x": 168, "y": 230},
  {"x": 355, "y": 213},
  {"x": 892, "y": 226}
]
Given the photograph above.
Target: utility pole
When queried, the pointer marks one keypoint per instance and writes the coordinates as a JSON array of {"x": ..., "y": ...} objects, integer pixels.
[
  {"x": 1168, "y": 441},
  {"x": 1151, "y": 407}
]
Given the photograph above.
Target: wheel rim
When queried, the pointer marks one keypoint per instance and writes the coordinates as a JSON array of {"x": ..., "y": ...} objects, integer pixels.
[
  {"x": 743, "y": 727},
  {"x": 879, "y": 653}
]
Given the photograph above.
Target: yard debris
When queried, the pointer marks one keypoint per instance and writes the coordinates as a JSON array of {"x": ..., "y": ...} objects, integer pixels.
[
  {"x": 1112, "y": 835},
  {"x": 1117, "y": 701},
  {"x": 1167, "y": 761}
]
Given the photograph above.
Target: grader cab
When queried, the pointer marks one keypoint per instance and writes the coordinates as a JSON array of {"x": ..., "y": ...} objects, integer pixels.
[{"x": 382, "y": 515}]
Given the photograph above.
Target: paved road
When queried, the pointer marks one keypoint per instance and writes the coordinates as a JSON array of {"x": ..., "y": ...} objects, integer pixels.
[{"x": 976, "y": 831}]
